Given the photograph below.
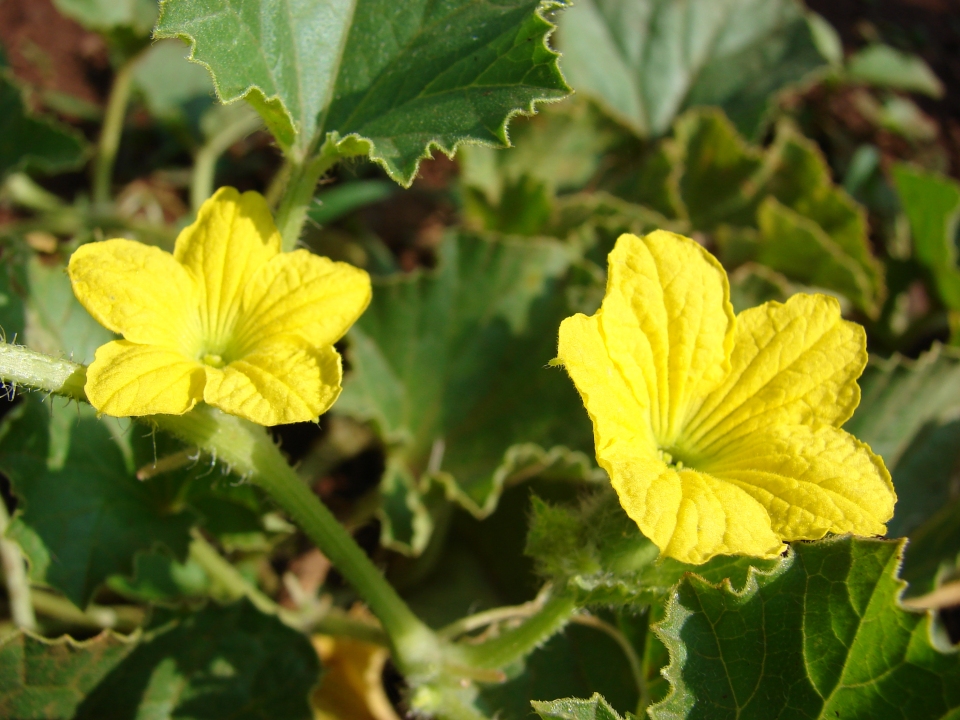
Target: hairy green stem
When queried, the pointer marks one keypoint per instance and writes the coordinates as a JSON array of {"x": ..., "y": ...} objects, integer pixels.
[
  {"x": 21, "y": 366},
  {"x": 518, "y": 642},
  {"x": 111, "y": 131},
  {"x": 205, "y": 161},
  {"x": 298, "y": 194},
  {"x": 420, "y": 653},
  {"x": 15, "y": 577},
  {"x": 495, "y": 615},
  {"x": 250, "y": 451}
]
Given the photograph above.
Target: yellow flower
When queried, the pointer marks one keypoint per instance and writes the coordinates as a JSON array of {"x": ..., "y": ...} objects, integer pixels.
[
  {"x": 227, "y": 319},
  {"x": 720, "y": 433}
]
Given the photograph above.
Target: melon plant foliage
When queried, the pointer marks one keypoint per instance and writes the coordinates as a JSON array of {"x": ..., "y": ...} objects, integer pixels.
[{"x": 473, "y": 360}]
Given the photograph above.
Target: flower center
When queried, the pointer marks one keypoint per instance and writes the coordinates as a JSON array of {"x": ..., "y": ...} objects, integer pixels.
[
  {"x": 213, "y": 360},
  {"x": 676, "y": 458}
]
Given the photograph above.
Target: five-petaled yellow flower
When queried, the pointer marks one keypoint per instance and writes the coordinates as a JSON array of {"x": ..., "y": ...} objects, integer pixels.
[
  {"x": 228, "y": 319},
  {"x": 721, "y": 434}
]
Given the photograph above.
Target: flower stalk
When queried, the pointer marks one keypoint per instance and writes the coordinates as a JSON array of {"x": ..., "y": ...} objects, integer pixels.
[
  {"x": 427, "y": 659},
  {"x": 111, "y": 131},
  {"x": 298, "y": 194}
]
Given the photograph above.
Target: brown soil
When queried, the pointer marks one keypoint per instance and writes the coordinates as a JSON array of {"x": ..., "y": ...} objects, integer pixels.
[
  {"x": 928, "y": 28},
  {"x": 51, "y": 52}
]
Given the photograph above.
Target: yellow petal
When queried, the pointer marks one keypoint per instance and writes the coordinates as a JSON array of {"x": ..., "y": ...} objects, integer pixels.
[
  {"x": 136, "y": 290},
  {"x": 667, "y": 323},
  {"x": 795, "y": 363},
  {"x": 616, "y": 413},
  {"x": 126, "y": 379},
  {"x": 811, "y": 480},
  {"x": 689, "y": 515},
  {"x": 302, "y": 294},
  {"x": 232, "y": 238},
  {"x": 282, "y": 382}
]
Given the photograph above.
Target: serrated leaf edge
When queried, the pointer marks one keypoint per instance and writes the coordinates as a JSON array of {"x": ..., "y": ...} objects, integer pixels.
[
  {"x": 341, "y": 141},
  {"x": 673, "y": 610}
]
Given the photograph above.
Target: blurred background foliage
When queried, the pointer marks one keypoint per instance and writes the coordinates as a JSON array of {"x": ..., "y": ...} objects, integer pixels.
[{"x": 810, "y": 147}]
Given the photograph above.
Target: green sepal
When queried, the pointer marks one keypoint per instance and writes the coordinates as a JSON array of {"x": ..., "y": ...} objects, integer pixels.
[{"x": 596, "y": 551}]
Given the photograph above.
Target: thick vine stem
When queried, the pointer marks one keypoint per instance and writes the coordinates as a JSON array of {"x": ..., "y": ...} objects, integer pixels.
[{"x": 421, "y": 654}]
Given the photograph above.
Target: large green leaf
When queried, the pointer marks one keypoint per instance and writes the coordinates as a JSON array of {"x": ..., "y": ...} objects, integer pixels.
[
  {"x": 80, "y": 498},
  {"x": 598, "y": 552},
  {"x": 400, "y": 78},
  {"x": 48, "y": 679},
  {"x": 645, "y": 61},
  {"x": 33, "y": 142},
  {"x": 217, "y": 664},
  {"x": 451, "y": 366},
  {"x": 820, "y": 636},
  {"x": 932, "y": 205}
]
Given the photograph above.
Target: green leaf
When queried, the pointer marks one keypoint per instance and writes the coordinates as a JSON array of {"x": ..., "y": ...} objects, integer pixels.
[
  {"x": 168, "y": 81},
  {"x": 451, "y": 366},
  {"x": 48, "y": 679},
  {"x": 792, "y": 244},
  {"x": 80, "y": 497},
  {"x": 934, "y": 551},
  {"x": 931, "y": 203},
  {"x": 524, "y": 207},
  {"x": 752, "y": 284},
  {"x": 886, "y": 67},
  {"x": 435, "y": 75},
  {"x": 900, "y": 396},
  {"x": 908, "y": 414},
  {"x": 598, "y": 552},
  {"x": 103, "y": 15},
  {"x": 778, "y": 207},
  {"x": 56, "y": 324},
  {"x": 13, "y": 291},
  {"x": 717, "y": 169},
  {"x": 820, "y": 636},
  {"x": 222, "y": 662},
  {"x": 802, "y": 181},
  {"x": 645, "y": 61},
  {"x": 579, "y": 661},
  {"x": 562, "y": 147},
  {"x": 162, "y": 580},
  {"x": 596, "y": 708},
  {"x": 34, "y": 142}
]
